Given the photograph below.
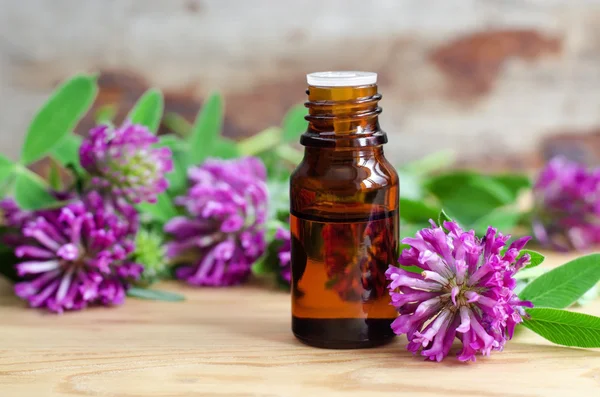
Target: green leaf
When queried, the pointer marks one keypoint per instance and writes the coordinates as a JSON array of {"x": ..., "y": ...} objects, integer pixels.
[
  {"x": 31, "y": 192},
  {"x": 54, "y": 176},
  {"x": 412, "y": 269},
  {"x": 536, "y": 258},
  {"x": 178, "y": 124},
  {"x": 67, "y": 151},
  {"x": 562, "y": 286},
  {"x": 206, "y": 129},
  {"x": 289, "y": 154},
  {"x": 171, "y": 141},
  {"x": 105, "y": 114},
  {"x": 162, "y": 211},
  {"x": 7, "y": 167},
  {"x": 148, "y": 110},
  {"x": 279, "y": 198},
  {"x": 261, "y": 142},
  {"x": 226, "y": 149},
  {"x": 431, "y": 163},
  {"x": 58, "y": 117},
  {"x": 589, "y": 296},
  {"x": 565, "y": 328},
  {"x": 294, "y": 124},
  {"x": 529, "y": 274},
  {"x": 409, "y": 229},
  {"x": 504, "y": 219},
  {"x": 514, "y": 183},
  {"x": 410, "y": 185},
  {"x": 415, "y": 211},
  {"x": 268, "y": 264},
  {"x": 178, "y": 176},
  {"x": 468, "y": 196},
  {"x": 154, "y": 294},
  {"x": 443, "y": 217}
]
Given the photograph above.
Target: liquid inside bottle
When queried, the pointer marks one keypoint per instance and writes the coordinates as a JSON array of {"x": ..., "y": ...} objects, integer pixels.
[{"x": 344, "y": 221}]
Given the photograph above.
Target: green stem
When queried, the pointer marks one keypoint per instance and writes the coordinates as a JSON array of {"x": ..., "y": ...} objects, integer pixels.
[
  {"x": 105, "y": 114},
  {"x": 431, "y": 163},
  {"x": 178, "y": 124},
  {"x": 288, "y": 153},
  {"x": 264, "y": 140}
]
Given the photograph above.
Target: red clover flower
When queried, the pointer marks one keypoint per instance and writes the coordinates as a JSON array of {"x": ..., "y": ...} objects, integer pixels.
[
  {"x": 567, "y": 205},
  {"x": 222, "y": 234},
  {"x": 77, "y": 255},
  {"x": 124, "y": 162},
  {"x": 465, "y": 291}
]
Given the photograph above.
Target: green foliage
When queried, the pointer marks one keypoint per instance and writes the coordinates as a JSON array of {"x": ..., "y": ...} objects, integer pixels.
[
  {"x": 279, "y": 199},
  {"x": 54, "y": 178},
  {"x": 161, "y": 211},
  {"x": 411, "y": 186},
  {"x": 536, "y": 258},
  {"x": 206, "y": 129},
  {"x": 514, "y": 183},
  {"x": 150, "y": 251},
  {"x": 148, "y": 110},
  {"x": 416, "y": 211},
  {"x": 226, "y": 149},
  {"x": 177, "y": 124},
  {"x": 154, "y": 294},
  {"x": 294, "y": 124},
  {"x": 105, "y": 114},
  {"x": 58, "y": 117},
  {"x": 430, "y": 164},
  {"x": 67, "y": 151},
  {"x": 268, "y": 265},
  {"x": 468, "y": 196},
  {"x": 261, "y": 142},
  {"x": 178, "y": 176},
  {"x": 443, "y": 217},
  {"x": 565, "y": 328},
  {"x": 504, "y": 219},
  {"x": 7, "y": 168},
  {"x": 31, "y": 191},
  {"x": 562, "y": 286}
]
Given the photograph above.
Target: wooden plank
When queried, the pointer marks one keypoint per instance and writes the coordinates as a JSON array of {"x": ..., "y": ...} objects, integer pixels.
[
  {"x": 481, "y": 77},
  {"x": 237, "y": 342}
]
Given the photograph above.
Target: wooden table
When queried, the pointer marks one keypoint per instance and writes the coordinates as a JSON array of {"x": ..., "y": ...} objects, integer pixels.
[{"x": 237, "y": 342}]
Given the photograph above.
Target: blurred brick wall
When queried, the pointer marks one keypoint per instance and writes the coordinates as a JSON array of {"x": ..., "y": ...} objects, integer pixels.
[{"x": 494, "y": 80}]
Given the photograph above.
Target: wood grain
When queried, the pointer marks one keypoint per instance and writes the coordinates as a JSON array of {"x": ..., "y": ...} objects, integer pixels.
[
  {"x": 492, "y": 81},
  {"x": 237, "y": 342}
]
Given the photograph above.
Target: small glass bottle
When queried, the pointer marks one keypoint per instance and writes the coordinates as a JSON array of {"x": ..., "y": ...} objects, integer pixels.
[{"x": 344, "y": 217}]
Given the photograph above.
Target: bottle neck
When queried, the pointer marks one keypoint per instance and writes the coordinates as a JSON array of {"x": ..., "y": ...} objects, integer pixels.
[{"x": 343, "y": 117}]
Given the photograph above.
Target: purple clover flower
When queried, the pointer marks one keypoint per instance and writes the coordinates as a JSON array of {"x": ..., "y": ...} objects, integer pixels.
[
  {"x": 76, "y": 255},
  {"x": 125, "y": 162},
  {"x": 466, "y": 291},
  {"x": 567, "y": 205},
  {"x": 284, "y": 254},
  {"x": 223, "y": 232}
]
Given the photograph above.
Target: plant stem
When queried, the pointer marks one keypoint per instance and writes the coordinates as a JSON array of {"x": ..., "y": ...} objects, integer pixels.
[
  {"x": 288, "y": 153},
  {"x": 264, "y": 140}
]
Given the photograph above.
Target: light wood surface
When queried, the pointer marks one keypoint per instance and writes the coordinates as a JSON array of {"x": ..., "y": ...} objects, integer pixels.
[{"x": 237, "y": 342}]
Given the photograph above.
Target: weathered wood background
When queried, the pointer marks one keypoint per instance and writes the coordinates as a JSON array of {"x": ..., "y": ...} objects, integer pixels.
[{"x": 495, "y": 80}]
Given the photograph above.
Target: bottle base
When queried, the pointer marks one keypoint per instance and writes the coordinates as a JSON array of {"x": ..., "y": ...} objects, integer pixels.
[{"x": 343, "y": 333}]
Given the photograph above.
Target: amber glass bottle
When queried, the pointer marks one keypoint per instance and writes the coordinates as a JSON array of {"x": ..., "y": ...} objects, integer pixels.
[{"x": 344, "y": 217}]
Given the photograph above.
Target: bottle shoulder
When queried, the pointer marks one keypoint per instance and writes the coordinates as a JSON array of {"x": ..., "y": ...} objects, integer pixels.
[{"x": 363, "y": 173}]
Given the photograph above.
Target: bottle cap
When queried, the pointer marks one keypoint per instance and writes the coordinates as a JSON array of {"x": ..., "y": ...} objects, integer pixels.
[{"x": 341, "y": 79}]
